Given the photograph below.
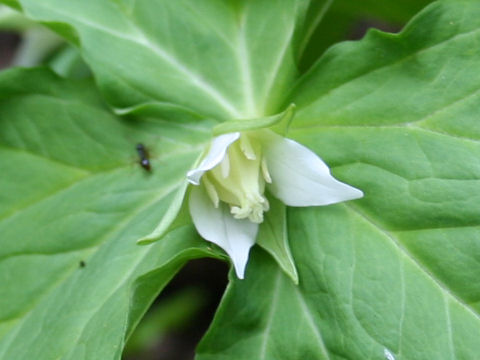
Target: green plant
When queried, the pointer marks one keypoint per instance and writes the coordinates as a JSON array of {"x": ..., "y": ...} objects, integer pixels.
[{"x": 393, "y": 275}]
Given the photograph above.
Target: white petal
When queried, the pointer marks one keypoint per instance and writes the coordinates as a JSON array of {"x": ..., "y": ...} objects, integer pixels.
[
  {"x": 218, "y": 149},
  {"x": 217, "y": 225},
  {"x": 300, "y": 177}
]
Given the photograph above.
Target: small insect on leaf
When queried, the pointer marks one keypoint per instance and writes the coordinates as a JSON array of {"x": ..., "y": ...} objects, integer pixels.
[
  {"x": 82, "y": 264},
  {"x": 144, "y": 158}
]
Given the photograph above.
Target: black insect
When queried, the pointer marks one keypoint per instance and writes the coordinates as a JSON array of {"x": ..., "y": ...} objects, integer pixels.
[
  {"x": 82, "y": 264},
  {"x": 144, "y": 157}
]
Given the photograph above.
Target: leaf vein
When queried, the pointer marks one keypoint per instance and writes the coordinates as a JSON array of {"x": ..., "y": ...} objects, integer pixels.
[
  {"x": 451, "y": 345},
  {"x": 311, "y": 323},
  {"x": 244, "y": 60},
  {"x": 273, "y": 306},
  {"x": 443, "y": 287}
]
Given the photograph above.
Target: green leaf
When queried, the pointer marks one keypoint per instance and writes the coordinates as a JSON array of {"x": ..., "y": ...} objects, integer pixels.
[
  {"x": 394, "y": 274},
  {"x": 72, "y": 206},
  {"x": 226, "y": 59}
]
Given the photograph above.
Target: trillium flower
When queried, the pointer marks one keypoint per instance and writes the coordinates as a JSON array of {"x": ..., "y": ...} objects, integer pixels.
[{"x": 228, "y": 200}]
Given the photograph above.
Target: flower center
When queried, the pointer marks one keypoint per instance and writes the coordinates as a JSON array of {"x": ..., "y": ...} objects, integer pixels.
[{"x": 239, "y": 180}]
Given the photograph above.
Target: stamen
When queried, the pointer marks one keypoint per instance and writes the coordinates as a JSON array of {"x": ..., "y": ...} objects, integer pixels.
[
  {"x": 238, "y": 212},
  {"x": 225, "y": 166},
  {"x": 211, "y": 191},
  {"x": 253, "y": 214},
  {"x": 256, "y": 216},
  {"x": 265, "y": 172},
  {"x": 266, "y": 205},
  {"x": 247, "y": 148},
  {"x": 239, "y": 180},
  {"x": 253, "y": 209}
]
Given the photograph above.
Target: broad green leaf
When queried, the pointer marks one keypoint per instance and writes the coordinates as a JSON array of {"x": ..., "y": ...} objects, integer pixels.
[
  {"x": 74, "y": 201},
  {"x": 226, "y": 59},
  {"x": 395, "y": 274}
]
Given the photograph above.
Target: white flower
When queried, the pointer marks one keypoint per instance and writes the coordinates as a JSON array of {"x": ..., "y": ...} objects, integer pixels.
[{"x": 227, "y": 202}]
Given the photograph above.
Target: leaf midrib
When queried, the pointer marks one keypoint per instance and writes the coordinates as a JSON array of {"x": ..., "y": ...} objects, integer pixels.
[
  {"x": 270, "y": 316},
  {"x": 311, "y": 322},
  {"x": 395, "y": 126},
  {"x": 417, "y": 124},
  {"x": 88, "y": 176}
]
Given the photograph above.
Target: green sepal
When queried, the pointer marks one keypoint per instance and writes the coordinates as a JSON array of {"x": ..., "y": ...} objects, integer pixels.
[
  {"x": 165, "y": 111},
  {"x": 281, "y": 120},
  {"x": 176, "y": 216},
  {"x": 68, "y": 63},
  {"x": 273, "y": 237}
]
